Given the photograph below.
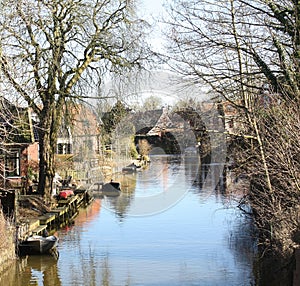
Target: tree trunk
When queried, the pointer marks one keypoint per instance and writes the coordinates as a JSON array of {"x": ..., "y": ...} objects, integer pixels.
[
  {"x": 46, "y": 172},
  {"x": 46, "y": 152},
  {"x": 47, "y": 145}
]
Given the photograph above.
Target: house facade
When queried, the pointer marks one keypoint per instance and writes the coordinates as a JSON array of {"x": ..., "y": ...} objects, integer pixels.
[
  {"x": 78, "y": 140},
  {"x": 81, "y": 136},
  {"x": 19, "y": 148},
  {"x": 78, "y": 143}
]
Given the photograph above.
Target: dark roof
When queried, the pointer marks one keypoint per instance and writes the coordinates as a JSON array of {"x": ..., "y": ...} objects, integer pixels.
[{"x": 16, "y": 125}]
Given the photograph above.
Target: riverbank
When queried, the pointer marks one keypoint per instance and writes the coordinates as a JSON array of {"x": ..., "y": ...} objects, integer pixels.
[
  {"x": 7, "y": 244},
  {"x": 274, "y": 267},
  {"x": 36, "y": 218}
]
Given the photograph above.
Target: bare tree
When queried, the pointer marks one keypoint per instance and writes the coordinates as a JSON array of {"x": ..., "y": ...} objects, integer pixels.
[
  {"x": 233, "y": 44},
  {"x": 152, "y": 102},
  {"x": 248, "y": 52},
  {"x": 51, "y": 53},
  {"x": 5, "y": 126}
]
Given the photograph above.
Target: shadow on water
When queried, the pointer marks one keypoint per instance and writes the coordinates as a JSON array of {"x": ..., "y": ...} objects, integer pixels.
[
  {"x": 242, "y": 243},
  {"x": 274, "y": 270},
  {"x": 269, "y": 269}
]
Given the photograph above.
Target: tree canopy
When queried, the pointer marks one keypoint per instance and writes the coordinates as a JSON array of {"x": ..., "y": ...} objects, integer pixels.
[
  {"x": 54, "y": 52},
  {"x": 231, "y": 45}
]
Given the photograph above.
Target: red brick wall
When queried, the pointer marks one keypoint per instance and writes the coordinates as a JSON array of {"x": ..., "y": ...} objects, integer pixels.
[{"x": 33, "y": 152}]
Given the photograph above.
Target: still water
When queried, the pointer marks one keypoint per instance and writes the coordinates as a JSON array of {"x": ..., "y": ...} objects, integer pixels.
[{"x": 163, "y": 230}]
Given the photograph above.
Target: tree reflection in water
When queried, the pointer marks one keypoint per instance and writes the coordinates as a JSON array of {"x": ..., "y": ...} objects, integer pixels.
[
  {"x": 93, "y": 271},
  {"x": 43, "y": 270},
  {"x": 32, "y": 270},
  {"x": 184, "y": 245}
]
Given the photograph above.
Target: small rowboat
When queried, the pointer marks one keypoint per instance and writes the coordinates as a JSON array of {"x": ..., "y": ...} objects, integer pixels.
[
  {"x": 129, "y": 169},
  {"x": 37, "y": 244},
  {"x": 111, "y": 189}
]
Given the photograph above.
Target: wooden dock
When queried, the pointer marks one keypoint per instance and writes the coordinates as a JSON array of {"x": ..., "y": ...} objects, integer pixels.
[{"x": 65, "y": 211}]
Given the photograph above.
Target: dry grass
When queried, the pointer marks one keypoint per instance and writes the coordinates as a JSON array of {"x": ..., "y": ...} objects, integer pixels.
[
  {"x": 6, "y": 234},
  {"x": 32, "y": 207}
]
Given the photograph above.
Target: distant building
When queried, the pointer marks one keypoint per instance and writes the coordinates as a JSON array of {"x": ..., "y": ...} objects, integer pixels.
[
  {"x": 162, "y": 124},
  {"x": 80, "y": 136},
  {"x": 230, "y": 116}
]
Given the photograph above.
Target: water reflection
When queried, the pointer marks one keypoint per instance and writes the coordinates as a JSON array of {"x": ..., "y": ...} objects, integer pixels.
[
  {"x": 32, "y": 270},
  {"x": 156, "y": 189},
  {"x": 201, "y": 239}
]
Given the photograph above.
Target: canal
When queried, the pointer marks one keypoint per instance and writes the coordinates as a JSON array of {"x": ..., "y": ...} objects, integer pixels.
[{"x": 163, "y": 230}]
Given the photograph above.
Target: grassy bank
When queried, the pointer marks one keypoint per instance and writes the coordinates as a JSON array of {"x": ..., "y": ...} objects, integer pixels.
[{"x": 7, "y": 245}]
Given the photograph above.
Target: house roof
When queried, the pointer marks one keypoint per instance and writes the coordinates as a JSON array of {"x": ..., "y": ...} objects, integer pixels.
[
  {"x": 16, "y": 126},
  {"x": 83, "y": 122}
]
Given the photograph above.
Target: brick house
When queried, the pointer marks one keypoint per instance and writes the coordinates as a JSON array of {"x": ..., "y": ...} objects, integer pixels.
[
  {"x": 19, "y": 151},
  {"x": 82, "y": 135},
  {"x": 78, "y": 143},
  {"x": 19, "y": 148}
]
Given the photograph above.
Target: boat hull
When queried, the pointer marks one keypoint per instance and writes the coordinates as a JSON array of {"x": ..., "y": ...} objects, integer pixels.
[
  {"x": 111, "y": 189},
  {"x": 36, "y": 244},
  {"x": 130, "y": 169}
]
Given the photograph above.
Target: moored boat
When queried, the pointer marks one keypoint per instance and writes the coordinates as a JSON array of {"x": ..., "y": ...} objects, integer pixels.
[
  {"x": 111, "y": 189},
  {"x": 130, "y": 169},
  {"x": 37, "y": 244}
]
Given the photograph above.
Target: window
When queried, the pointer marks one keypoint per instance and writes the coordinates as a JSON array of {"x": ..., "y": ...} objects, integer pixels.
[
  {"x": 64, "y": 148},
  {"x": 60, "y": 148},
  {"x": 12, "y": 163}
]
